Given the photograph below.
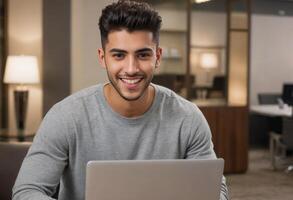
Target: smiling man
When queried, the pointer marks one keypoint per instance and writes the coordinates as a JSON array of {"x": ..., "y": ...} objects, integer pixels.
[
  {"x": 130, "y": 67},
  {"x": 126, "y": 119}
]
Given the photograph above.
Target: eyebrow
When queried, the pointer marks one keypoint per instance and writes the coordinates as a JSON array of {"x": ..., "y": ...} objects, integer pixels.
[
  {"x": 144, "y": 50},
  {"x": 118, "y": 51},
  {"x": 115, "y": 50}
]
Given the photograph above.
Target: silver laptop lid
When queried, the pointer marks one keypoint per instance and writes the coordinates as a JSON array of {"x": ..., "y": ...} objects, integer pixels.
[{"x": 154, "y": 180}]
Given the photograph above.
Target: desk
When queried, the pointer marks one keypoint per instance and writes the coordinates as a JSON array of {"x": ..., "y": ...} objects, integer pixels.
[
  {"x": 272, "y": 110},
  {"x": 210, "y": 102},
  {"x": 265, "y": 119}
]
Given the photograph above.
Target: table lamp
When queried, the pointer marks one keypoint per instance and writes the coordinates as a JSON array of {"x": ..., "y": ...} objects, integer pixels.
[
  {"x": 201, "y": 1},
  {"x": 21, "y": 71},
  {"x": 208, "y": 61}
]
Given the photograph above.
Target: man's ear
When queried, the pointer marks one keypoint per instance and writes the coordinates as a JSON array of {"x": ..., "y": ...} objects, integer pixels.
[
  {"x": 158, "y": 56},
  {"x": 101, "y": 56}
]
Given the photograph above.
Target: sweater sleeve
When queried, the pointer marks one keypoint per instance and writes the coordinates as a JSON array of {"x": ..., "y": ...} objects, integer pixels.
[
  {"x": 200, "y": 145},
  {"x": 45, "y": 161}
]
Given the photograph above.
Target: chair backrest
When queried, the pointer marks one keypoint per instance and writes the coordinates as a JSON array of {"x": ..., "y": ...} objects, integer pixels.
[
  {"x": 287, "y": 94},
  {"x": 268, "y": 98},
  {"x": 219, "y": 83},
  {"x": 287, "y": 133},
  {"x": 11, "y": 157}
]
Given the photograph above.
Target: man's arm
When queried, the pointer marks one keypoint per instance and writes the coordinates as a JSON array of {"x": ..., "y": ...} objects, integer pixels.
[
  {"x": 200, "y": 145},
  {"x": 43, "y": 166}
]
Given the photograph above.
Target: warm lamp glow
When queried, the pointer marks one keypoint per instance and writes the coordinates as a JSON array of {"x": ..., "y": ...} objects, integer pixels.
[
  {"x": 21, "y": 70},
  {"x": 237, "y": 96},
  {"x": 201, "y": 1},
  {"x": 209, "y": 60}
]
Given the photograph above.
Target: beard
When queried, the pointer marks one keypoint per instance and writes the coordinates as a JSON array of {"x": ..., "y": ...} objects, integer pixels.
[{"x": 147, "y": 80}]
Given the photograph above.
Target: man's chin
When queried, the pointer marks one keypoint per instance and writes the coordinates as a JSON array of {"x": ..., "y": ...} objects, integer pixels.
[{"x": 131, "y": 97}]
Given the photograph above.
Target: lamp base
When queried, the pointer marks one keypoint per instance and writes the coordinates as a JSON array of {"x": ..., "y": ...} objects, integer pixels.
[{"x": 20, "y": 103}]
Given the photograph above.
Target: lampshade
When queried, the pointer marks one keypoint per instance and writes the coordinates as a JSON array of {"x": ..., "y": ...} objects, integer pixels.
[
  {"x": 209, "y": 60},
  {"x": 201, "y": 1},
  {"x": 21, "y": 70}
]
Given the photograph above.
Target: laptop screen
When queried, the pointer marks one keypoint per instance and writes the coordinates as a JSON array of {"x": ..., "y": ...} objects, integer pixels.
[{"x": 154, "y": 179}]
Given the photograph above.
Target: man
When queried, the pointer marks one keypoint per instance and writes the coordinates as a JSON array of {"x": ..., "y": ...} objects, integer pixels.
[{"x": 127, "y": 118}]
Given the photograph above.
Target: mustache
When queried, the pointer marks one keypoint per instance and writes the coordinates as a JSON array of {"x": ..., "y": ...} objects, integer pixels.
[{"x": 125, "y": 75}]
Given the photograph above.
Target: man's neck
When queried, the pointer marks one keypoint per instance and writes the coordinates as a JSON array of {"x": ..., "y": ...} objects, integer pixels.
[{"x": 129, "y": 108}]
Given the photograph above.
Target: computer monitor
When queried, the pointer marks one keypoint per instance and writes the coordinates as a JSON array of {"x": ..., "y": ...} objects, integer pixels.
[{"x": 287, "y": 95}]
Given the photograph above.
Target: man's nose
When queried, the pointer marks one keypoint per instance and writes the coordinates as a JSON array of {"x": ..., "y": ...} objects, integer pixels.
[{"x": 132, "y": 65}]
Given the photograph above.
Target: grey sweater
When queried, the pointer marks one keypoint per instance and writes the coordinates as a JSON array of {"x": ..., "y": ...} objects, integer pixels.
[{"x": 83, "y": 127}]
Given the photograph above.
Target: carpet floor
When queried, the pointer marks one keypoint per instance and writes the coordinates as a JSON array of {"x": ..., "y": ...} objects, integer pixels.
[{"x": 260, "y": 182}]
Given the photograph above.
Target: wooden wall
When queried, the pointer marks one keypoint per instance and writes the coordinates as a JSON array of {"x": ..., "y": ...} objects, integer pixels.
[{"x": 229, "y": 126}]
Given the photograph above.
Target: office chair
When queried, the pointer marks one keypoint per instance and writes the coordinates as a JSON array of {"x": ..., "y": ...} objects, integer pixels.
[
  {"x": 287, "y": 94},
  {"x": 275, "y": 123},
  {"x": 281, "y": 145},
  {"x": 11, "y": 157},
  {"x": 219, "y": 86}
]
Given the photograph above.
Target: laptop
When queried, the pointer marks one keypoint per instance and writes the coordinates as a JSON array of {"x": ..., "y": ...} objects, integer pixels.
[{"x": 154, "y": 180}]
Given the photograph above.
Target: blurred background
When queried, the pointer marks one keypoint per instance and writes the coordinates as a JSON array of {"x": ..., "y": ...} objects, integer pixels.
[{"x": 232, "y": 58}]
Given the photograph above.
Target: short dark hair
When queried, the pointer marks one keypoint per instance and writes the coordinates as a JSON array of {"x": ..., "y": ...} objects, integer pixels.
[{"x": 129, "y": 15}]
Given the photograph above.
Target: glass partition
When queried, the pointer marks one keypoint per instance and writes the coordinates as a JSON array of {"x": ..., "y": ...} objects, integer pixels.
[
  {"x": 173, "y": 40},
  {"x": 238, "y": 27},
  {"x": 205, "y": 50},
  {"x": 208, "y": 40}
]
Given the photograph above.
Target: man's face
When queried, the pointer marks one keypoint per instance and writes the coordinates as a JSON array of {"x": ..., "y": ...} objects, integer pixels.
[{"x": 130, "y": 59}]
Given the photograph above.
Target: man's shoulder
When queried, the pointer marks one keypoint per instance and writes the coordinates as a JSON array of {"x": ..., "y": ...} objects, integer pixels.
[
  {"x": 84, "y": 93},
  {"x": 78, "y": 99}
]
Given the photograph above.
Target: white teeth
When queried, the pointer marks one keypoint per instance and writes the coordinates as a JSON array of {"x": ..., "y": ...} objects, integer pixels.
[{"x": 132, "y": 81}]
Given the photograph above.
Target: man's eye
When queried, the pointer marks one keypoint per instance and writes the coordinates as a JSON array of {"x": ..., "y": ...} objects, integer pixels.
[
  {"x": 144, "y": 55},
  {"x": 118, "y": 56}
]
